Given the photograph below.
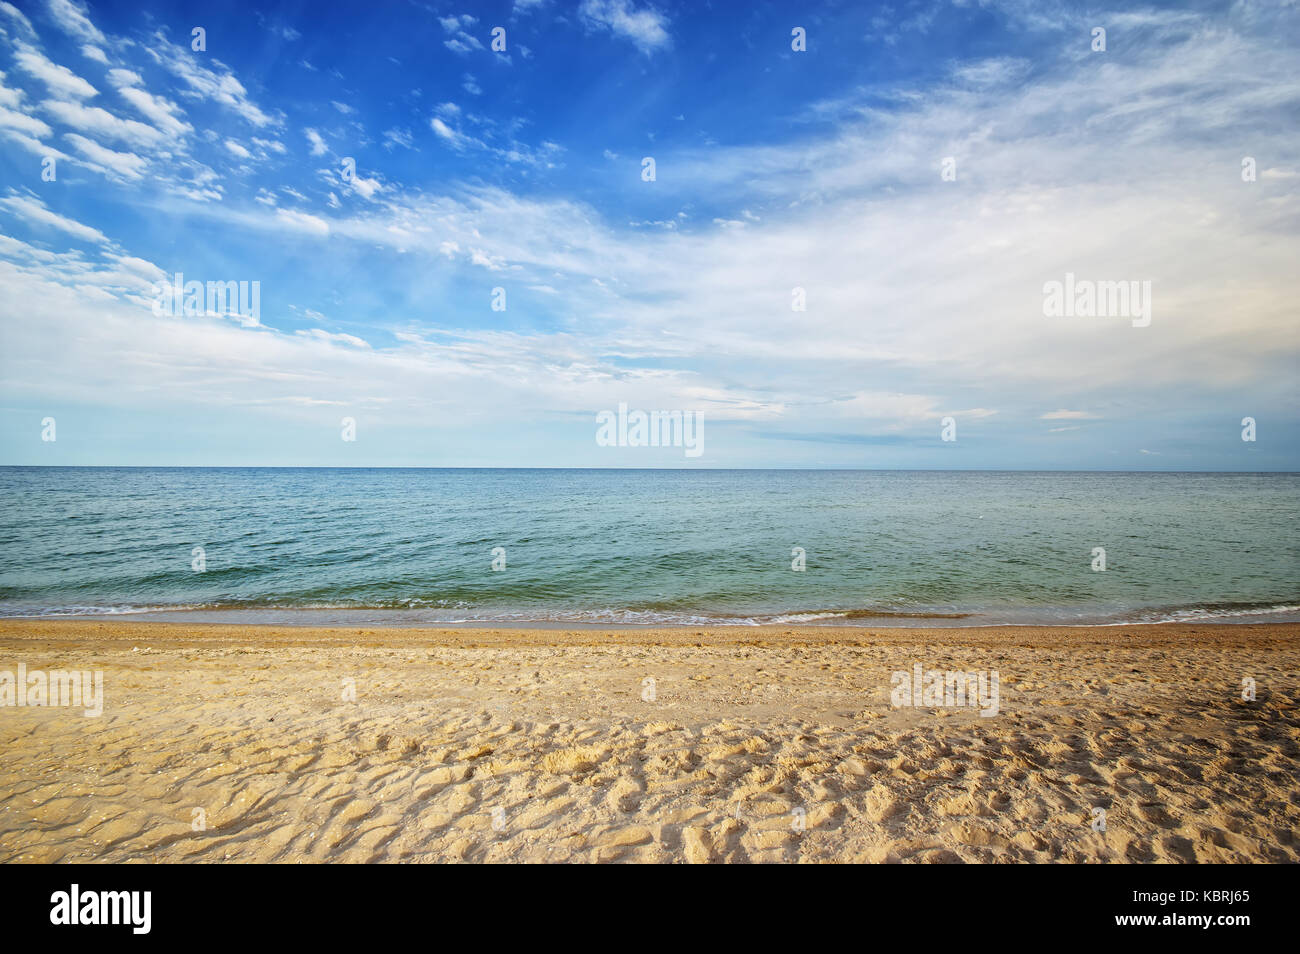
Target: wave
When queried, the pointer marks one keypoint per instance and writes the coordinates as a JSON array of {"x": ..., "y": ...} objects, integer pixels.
[
  {"x": 1193, "y": 614},
  {"x": 422, "y": 612}
]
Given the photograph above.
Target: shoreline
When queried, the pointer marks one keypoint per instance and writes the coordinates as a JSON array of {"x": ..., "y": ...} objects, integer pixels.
[
  {"x": 1149, "y": 634},
  {"x": 341, "y": 617}
]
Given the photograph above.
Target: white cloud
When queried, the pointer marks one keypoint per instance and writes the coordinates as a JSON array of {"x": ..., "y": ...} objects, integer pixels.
[
  {"x": 366, "y": 187},
  {"x": 216, "y": 84},
  {"x": 147, "y": 271},
  {"x": 318, "y": 147},
  {"x": 33, "y": 210},
  {"x": 33, "y": 146},
  {"x": 991, "y": 72},
  {"x": 461, "y": 42},
  {"x": 73, "y": 19},
  {"x": 125, "y": 165},
  {"x": 1064, "y": 415},
  {"x": 454, "y": 24},
  {"x": 121, "y": 77},
  {"x": 456, "y": 139},
  {"x": 62, "y": 82},
  {"x": 100, "y": 122},
  {"x": 398, "y": 137},
  {"x": 507, "y": 149},
  {"x": 352, "y": 341},
  {"x": 646, "y": 27},
  {"x": 481, "y": 258},
  {"x": 20, "y": 19},
  {"x": 302, "y": 222},
  {"x": 163, "y": 113},
  {"x": 29, "y": 125},
  {"x": 10, "y": 98}
]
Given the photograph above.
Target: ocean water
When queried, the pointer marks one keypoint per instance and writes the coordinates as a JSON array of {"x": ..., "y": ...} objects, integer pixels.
[{"x": 713, "y": 547}]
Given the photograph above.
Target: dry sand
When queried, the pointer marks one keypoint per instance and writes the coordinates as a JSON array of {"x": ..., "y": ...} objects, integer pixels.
[{"x": 495, "y": 745}]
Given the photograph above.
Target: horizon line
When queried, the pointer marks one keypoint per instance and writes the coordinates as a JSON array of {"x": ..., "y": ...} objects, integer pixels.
[{"x": 933, "y": 470}]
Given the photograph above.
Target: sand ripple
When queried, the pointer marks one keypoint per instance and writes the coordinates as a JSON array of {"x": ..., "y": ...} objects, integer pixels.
[{"x": 775, "y": 750}]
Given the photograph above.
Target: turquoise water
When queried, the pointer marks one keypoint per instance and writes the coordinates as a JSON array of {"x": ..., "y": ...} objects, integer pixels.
[{"x": 665, "y": 546}]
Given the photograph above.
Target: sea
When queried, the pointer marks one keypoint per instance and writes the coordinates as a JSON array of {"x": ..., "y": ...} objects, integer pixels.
[{"x": 589, "y": 547}]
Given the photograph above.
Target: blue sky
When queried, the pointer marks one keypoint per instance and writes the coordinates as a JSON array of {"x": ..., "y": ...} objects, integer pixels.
[{"x": 775, "y": 170}]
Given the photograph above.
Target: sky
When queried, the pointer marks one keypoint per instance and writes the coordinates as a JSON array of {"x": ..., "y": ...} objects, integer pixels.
[{"x": 458, "y": 246}]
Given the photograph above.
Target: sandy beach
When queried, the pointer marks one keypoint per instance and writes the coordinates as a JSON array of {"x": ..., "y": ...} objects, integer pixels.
[{"x": 285, "y": 744}]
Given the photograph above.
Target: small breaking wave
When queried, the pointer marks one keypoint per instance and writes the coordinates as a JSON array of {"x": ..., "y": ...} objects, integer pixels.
[{"x": 417, "y": 611}]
